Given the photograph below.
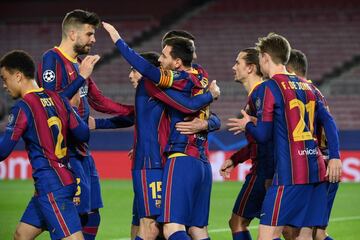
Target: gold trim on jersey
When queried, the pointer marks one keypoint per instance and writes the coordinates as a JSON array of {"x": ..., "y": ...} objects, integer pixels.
[
  {"x": 255, "y": 85},
  {"x": 178, "y": 154},
  {"x": 34, "y": 90},
  {"x": 66, "y": 56}
]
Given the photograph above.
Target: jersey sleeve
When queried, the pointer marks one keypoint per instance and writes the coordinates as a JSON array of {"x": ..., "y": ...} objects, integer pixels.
[
  {"x": 53, "y": 76},
  {"x": 114, "y": 122},
  {"x": 78, "y": 128},
  {"x": 265, "y": 101},
  {"x": 214, "y": 122},
  {"x": 14, "y": 130},
  {"x": 242, "y": 155},
  {"x": 177, "y": 99},
  {"x": 104, "y": 104},
  {"x": 326, "y": 120},
  {"x": 162, "y": 78}
]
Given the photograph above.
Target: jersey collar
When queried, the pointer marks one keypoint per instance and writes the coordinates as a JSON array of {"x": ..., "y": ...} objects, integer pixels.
[
  {"x": 255, "y": 85},
  {"x": 73, "y": 60},
  {"x": 34, "y": 90}
]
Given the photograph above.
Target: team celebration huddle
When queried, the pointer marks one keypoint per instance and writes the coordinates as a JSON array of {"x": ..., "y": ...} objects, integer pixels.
[{"x": 292, "y": 139}]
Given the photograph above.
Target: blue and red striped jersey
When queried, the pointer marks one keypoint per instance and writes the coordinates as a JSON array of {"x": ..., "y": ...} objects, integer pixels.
[
  {"x": 57, "y": 71},
  {"x": 152, "y": 123},
  {"x": 261, "y": 154},
  {"x": 44, "y": 120},
  {"x": 320, "y": 133},
  {"x": 292, "y": 108},
  {"x": 189, "y": 84}
]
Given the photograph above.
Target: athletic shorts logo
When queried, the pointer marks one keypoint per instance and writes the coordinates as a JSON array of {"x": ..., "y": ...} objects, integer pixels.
[{"x": 49, "y": 76}]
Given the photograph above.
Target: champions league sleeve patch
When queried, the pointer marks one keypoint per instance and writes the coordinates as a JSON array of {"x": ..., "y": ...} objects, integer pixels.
[{"x": 49, "y": 76}]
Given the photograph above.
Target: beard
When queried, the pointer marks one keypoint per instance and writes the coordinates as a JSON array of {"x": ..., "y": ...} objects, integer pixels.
[{"x": 82, "y": 49}]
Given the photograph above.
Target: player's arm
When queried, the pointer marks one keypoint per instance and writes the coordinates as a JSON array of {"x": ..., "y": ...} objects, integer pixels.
[
  {"x": 14, "y": 129},
  {"x": 52, "y": 75},
  {"x": 262, "y": 130},
  {"x": 133, "y": 58},
  {"x": 197, "y": 125},
  {"x": 78, "y": 128},
  {"x": 238, "y": 157},
  {"x": 179, "y": 100},
  {"x": 334, "y": 168},
  {"x": 114, "y": 122},
  {"x": 162, "y": 78},
  {"x": 241, "y": 155},
  {"x": 104, "y": 104},
  {"x": 327, "y": 121},
  {"x": 213, "y": 123}
]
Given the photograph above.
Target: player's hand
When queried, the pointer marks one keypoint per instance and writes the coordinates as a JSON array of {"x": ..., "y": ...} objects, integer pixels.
[
  {"x": 253, "y": 119},
  {"x": 191, "y": 127},
  {"x": 75, "y": 100},
  {"x": 334, "y": 170},
  {"x": 131, "y": 154},
  {"x": 87, "y": 65},
  {"x": 91, "y": 123},
  {"x": 214, "y": 90},
  {"x": 238, "y": 125},
  {"x": 226, "y": 168},
  {"x": 114, "y": 34}
]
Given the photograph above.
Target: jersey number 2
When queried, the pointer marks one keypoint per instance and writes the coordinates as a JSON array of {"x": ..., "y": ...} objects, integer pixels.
[{"x": 59, "y": 151}]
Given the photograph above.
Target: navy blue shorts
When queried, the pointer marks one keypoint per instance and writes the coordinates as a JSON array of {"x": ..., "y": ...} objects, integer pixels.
[
  {"x": 186, "y": 193},
  {"x": 331, "y": 193},
  {"x": 88, "y": 194},
  {"x": 250, "y": 199},
  {"x": 135, "y": 216},
  {"x": 147, "y": 184},
  {"x": 54, "y": 212},
  {"x": 299, "y": 205}
]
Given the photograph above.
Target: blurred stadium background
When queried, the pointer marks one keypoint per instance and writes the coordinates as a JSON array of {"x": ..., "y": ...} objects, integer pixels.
[{"x": 328, "y": 32}]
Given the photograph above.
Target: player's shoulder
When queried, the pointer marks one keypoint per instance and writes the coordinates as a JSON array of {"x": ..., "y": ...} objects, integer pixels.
[
  {"x": 50, "y": 54},
  {"x": 20, "y": 106},
  {"x": 200, "y": 70}
]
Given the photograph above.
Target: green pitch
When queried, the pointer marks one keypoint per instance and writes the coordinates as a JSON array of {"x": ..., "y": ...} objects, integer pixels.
[{"x": 116, "y": 215}]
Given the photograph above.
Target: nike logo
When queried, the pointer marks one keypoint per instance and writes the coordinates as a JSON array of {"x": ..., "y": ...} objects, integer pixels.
[
  {"x": 263, "y": 214},
  {"x": 71, "y": 73}
]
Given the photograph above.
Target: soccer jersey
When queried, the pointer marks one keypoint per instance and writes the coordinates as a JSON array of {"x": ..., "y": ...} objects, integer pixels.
[
  {"x": 152, "y": 126},
  {"x": 190, "y": 83},
  {"x": 57, "y": 71},
  {"x": 261, "y": 154},
  {"x": 43, "y": 119},
  {"x": 288, "y": 110}
]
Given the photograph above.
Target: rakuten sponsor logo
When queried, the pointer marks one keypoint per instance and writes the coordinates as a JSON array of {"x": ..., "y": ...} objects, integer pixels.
[{"x": 307, "y": 151}]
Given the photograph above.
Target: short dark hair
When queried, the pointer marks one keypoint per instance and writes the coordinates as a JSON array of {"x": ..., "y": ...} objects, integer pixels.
[
  {"x": 19, "y": 60},
  {"x": 177, "y": 33},
  {"x": 181, "y": 48},
  {"x": 152, "y": 57},
  {"x": 298, "y": 62},
  {"x": 277, "y": 46},
  {"x": 252, "y": 57},
  {"x": 79, "y": 16}
]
